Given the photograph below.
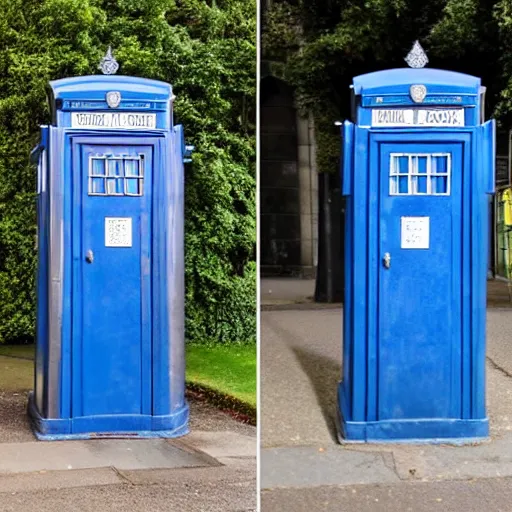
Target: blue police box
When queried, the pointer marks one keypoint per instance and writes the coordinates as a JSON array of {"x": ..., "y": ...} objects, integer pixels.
[
  {"x": 417, "y": 165},
  {"x": 110, "y": 286}
]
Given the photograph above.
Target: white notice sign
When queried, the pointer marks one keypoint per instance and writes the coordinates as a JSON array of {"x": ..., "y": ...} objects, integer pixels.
[
  {"x": 113, "y": 120},
  {"x": 418, "y": 117},
  {"x": 415, "y": 232},
  {"x": 118, "y": 232}
]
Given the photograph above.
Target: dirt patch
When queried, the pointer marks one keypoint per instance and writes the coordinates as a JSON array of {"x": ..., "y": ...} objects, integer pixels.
[
  {"x": 237, "y": 409},
  {"x": 15, "y": 426},
  {"x": 204, "y": 416},
  {"x": 14, "y": 423}
]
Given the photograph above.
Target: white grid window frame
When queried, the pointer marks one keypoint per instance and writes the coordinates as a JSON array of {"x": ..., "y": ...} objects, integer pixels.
[
  {"x": 415, "y": 182},
  {"x": 116, "y": 175}
]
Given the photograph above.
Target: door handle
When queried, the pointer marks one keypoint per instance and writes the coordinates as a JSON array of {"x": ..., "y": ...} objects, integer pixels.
[
  {"x": 387, "y": 260},
  {"x": 89, "y": 257}
]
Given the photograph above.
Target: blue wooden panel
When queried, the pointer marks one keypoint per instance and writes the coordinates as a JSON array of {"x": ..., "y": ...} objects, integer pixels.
[
  {"x": 347, "y": 169},
  {"x": 414, "y": 335},
  {"x": 483, "y": 178},
  {"x": 419, "y": 332},
  {"x": 347, "y": 165},
  {"x": 41, "y": 357},
  {"x": 359, "y": 307},
  {"x": 114, "y": 336},
  {"x": 160, "y": 356}
]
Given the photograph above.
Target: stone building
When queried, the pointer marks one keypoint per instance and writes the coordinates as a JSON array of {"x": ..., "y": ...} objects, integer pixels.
[{"x": 288, "y": 184}]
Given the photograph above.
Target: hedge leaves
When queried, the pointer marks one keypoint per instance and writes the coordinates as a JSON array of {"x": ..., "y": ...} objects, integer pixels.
[{"x": 207, "y": 51}]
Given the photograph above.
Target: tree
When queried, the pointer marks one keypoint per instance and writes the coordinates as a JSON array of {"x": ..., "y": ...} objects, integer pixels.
[{"x": 207, "y": 51}]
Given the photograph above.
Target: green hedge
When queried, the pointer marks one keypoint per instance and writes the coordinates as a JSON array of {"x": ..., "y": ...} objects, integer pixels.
[{"x": 207, "y": 51}]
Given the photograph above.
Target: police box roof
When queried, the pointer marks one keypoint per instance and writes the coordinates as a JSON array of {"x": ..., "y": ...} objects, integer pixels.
[
  {"x": 94, "y": 87},
  {"x": 398, "y": 81}
]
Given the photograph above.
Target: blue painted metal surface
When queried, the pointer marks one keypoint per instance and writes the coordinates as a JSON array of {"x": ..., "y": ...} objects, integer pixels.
[
  {"x": 414, "y": 311},
  {"x": 110, "y": 287}
]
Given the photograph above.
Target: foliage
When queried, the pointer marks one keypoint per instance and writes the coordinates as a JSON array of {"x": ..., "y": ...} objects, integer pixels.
[
  {"x": 335, "y": 40},
  {"x": 207, "y": 51},
  {"x": 503, "y": 14}
]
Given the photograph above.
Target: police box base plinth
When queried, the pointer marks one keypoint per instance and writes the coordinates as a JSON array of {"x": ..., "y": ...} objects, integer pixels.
[
  {"x": 121, "y": 426},
  {"x": 413, "y": 431}
]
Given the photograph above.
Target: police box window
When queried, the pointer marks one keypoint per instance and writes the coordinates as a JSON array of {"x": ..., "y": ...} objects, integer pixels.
[
  {"x": 420, "y": 174},
  {"x": 116, "y": 175}
]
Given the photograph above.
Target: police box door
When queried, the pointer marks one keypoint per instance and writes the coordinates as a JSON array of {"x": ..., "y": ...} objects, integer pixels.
[
  {"x": 419, "y": 253},
  {"x": 112, "y": 279}
]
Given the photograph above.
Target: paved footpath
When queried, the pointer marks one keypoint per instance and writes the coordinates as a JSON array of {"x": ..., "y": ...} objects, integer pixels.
[
  {"x": 304, "y": 467},
  {"x": 211, "y": 469}
]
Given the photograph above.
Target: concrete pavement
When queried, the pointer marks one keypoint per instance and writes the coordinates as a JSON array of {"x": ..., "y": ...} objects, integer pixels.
[
  {"x": 292, "y": 293},
  {"x": 211, "y": 469},
  {"x": 282, "y": 290},
  {"x": 218, "y": 489},
  {"x": 300, "y": 368},
  {"x": 489, "y": 495}
]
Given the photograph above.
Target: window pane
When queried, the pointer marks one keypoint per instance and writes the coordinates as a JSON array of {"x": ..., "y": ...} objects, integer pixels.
[
  {"x": 439, "y": 164},
  {"x": 131, "y": 167},
  {"x": 439, "y": 185},
  {"x": 98, "y": 185},
  {"x": 115, "y": 186},
  {"x": 422, "y": 184},
  {"x": 98, "y": 167},
  {"x": 393, "y": 185},
  {"x": 414, "y": 185},
  {"x": 403, "y": 164},
  {"x": 403, "y": 185},
  {"x": 115, "y": 167},
  {"x": 422, "y": 165},
  {"x": 134, "y": 186}
]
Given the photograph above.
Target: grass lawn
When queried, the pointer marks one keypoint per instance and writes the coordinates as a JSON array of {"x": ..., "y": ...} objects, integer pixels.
[
  {"x": 23, "y": 351},
  {"x": 228, "y": 370},
  {"x": 16, "y": 374}
]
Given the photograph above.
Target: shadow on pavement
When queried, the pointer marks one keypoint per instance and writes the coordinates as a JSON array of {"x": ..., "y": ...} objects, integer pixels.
[{"x": 324, "y": 374}]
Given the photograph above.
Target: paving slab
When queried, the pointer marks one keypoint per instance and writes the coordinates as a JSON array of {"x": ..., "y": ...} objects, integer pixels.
[
  {"x": 174, "y": 490},
  {"x": 307, "y": 466},
  {"x": 221, "y": 444},
  {"x": 486, "y": 460},
  {"x": 244, "y": 473},
  {"x": 124, "y": 454},
  {"x": 44, "y": 480}
]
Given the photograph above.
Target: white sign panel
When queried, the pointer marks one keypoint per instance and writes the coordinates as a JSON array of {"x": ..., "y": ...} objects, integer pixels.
[
  {"x": 415, "y": 233},
  {"x": 113, "y": 120},
  {"x": 418, "y": 117},
  {"x": 118, "y": 232}
]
